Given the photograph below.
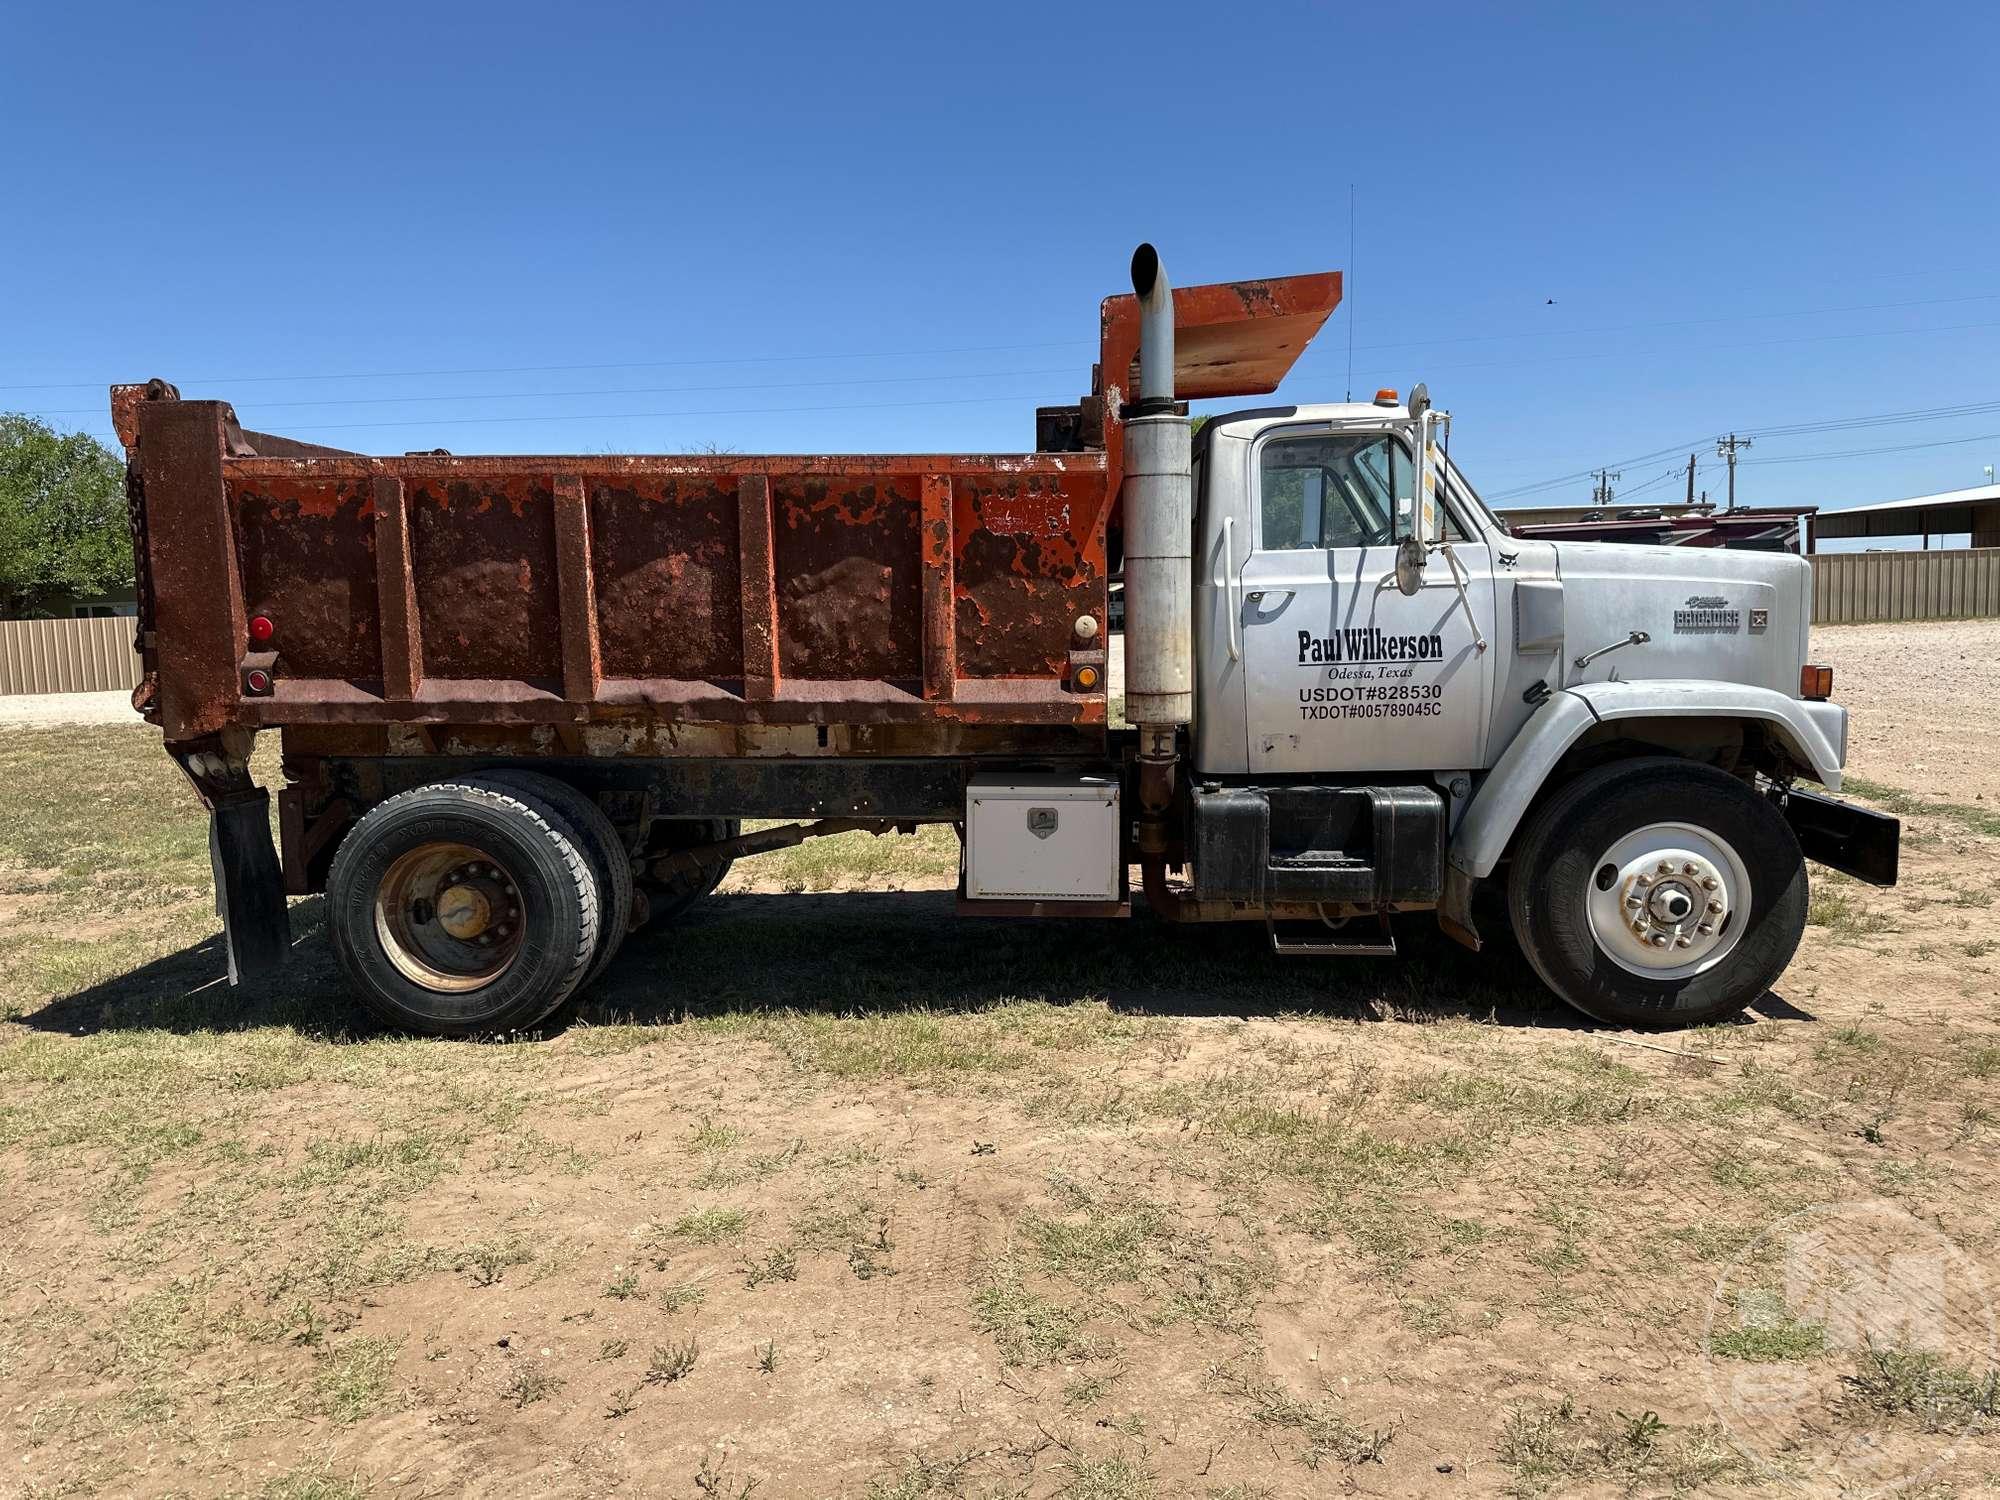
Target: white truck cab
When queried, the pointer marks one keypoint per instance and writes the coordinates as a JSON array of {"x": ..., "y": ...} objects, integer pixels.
[{"x": 1396, "y": 701}]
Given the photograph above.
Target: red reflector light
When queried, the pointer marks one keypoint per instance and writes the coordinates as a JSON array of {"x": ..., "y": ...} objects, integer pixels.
[
  {"x": 1815, "y": 682},
  {"x": 257, "y": 680},
  {"x": 261, "y": 628}
]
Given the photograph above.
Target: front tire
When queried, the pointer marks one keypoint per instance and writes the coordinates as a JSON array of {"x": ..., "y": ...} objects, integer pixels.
[
  {"x": 463, "y": 909},
  {"x": 1658, "y": 892}
]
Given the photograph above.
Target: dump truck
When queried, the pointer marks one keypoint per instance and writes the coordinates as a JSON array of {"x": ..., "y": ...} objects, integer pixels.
[{"x": 529, "y": 704}]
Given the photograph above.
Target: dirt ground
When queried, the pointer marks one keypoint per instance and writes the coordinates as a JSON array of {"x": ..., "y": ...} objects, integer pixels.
[
  {"x": 41, "y": 710},
  {"x": 1925, "y": 701},
  {"x": 832, "y": 1194}
]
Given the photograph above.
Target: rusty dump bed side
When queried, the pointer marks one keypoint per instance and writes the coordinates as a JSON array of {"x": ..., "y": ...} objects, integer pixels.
[
  {"x": 441, "y": 590},
  {"x": 611, "y": 603}
]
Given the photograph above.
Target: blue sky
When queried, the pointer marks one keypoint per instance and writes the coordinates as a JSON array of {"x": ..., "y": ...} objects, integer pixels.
[{"x": 860, "y": 228}]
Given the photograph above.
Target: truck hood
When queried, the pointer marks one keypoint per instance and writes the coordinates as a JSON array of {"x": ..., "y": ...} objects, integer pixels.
[{"x": 1706, "y": 612}]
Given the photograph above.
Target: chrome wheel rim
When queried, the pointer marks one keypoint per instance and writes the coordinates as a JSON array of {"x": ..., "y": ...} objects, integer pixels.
[
  {"x": 448, "y": 917},
  {"x": 1668, "y": 901}
]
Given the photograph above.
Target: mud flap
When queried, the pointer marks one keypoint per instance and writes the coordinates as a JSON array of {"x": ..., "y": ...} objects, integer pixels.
[
  {"x": 249, "y": 890},
  {"x": 1856, "y": 841}
]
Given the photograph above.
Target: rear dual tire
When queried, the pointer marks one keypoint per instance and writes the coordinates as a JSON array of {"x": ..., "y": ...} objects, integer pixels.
[
  {"x": 469, "y": 908},
  {"x": 598, "y": 837}
]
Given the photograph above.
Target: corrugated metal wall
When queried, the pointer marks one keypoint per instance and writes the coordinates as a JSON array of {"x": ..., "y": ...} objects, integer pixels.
[
  {"x": 1851, "y": 587},
  {"x": 68, "y": 656},
  {"x": 82, "y": 656}
]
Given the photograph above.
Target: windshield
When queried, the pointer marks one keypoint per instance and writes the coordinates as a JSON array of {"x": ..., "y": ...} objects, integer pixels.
[
  {"x": 1331, "y": 490},
  {"x": 1339, "y": 489}
]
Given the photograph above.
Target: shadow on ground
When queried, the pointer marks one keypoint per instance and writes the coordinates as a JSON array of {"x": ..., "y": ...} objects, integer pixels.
[{"x": 860, "y": 952}]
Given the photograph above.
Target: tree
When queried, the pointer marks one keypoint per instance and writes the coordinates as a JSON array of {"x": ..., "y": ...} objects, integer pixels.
[{"x": 62, "y": 516}]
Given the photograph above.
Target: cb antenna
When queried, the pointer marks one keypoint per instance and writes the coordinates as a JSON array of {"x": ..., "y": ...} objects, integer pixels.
[{"x": 1347, "y": 290}]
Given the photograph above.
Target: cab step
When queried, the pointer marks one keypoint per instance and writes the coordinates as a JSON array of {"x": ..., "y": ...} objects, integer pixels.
[{"x": 1381, "y": 945}]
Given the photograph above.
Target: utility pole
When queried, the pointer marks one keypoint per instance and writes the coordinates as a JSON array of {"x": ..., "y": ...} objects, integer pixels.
[
  {"x": 1726, "y": 448},
  {"x": 1601, "y": 496},
  {"x": 1690, "y": 500}
]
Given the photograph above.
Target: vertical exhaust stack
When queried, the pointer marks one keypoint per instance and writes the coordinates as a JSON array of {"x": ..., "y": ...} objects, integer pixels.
[
  {"x": 1159, "y": 578},
  {"x": 1159, "y": 540}
]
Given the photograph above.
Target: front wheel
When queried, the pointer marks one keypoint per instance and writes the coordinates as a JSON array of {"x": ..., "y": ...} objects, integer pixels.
[{"x": 1658, "y": 893}]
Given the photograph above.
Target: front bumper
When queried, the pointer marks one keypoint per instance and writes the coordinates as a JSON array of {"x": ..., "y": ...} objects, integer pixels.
[{"x": 1843, "y": 837}]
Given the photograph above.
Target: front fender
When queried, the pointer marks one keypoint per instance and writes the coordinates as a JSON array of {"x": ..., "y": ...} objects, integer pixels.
[{"x": 1814, "y": 734}]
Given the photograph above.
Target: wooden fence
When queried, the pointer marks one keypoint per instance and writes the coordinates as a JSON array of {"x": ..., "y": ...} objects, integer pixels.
[
  {"x": 1851, "y": 587},
  {"x": 68, "y": 656}
]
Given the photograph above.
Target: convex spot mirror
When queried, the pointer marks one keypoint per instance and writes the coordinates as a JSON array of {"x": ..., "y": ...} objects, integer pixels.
[{"x": 1411, "y": 555}]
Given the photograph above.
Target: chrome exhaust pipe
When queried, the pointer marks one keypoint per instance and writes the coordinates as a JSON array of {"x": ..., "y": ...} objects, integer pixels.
[
  {"x": 1159, "y": 574},
  {"x": 1159, "y": 529},
  {"x": 1156, "y": 332}
]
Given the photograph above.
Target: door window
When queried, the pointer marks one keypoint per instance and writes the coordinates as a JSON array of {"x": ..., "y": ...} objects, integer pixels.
[{"x": 1331, "y": 490}]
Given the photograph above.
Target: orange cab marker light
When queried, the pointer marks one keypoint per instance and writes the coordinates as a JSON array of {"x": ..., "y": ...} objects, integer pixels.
[
  {"x": 1816, "y": 682},
  {"x": 1086, "y": 678},
  {"x": 1385, "y": 397}
]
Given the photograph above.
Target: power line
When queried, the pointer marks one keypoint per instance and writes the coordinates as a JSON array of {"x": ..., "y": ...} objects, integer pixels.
[
  {"x": 1809, "y": 312},
  {"x": 1806, "y": 312},
  {"x": 662, "y": 390},
  {"x": 1811, "y": 338},
  {"x": 528, "y": 395},
  {"x": 1935, "y": 413},
  {"x": 1800, "y": 458},
  {"x": 620, "y": 416},
  {"x": 1653, "y": 483},
  {"x": 658, "y": 364},
  {"x": 1347, "y": 287}
]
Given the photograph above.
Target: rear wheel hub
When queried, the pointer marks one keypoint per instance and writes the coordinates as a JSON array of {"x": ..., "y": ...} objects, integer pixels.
[{"x": 448, "y": 916}]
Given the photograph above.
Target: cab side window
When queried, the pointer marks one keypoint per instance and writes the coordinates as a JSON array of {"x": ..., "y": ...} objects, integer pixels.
[{"x": 1330, "y": 490}]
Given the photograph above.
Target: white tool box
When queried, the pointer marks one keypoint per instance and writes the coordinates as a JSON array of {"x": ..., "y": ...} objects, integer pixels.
[{"x": 1041, "y": 836}]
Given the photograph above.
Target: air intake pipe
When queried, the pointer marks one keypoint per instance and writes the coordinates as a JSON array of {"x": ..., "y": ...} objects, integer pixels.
[{"x": 1159, "y": 539}]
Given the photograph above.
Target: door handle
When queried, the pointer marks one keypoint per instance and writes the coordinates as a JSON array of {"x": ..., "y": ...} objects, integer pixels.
[{"x": 1232, "y": 589}]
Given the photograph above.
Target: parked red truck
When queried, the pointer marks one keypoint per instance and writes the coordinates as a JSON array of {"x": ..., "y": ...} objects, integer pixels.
[{"x": 526, "y": 703}]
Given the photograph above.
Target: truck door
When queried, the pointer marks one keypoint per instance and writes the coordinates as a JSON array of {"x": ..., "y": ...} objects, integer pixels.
[{"x": 1342, "y": 671}]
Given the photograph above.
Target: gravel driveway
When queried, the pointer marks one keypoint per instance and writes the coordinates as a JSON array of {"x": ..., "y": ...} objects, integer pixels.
[
  {"x": 1923, "y": 703},
  {"x": 40, "y": 710}
]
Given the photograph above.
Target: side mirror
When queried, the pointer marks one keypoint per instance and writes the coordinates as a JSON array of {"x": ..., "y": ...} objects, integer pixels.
[
  {"x": 1419, "y": 517},
  {"x": 1411, "y": 555}
]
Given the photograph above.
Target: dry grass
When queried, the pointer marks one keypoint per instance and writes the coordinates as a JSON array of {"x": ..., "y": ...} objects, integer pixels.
[{"x": 1087, "y": 1209}]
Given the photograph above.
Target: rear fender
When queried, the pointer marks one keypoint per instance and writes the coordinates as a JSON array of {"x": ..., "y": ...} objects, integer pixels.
[{"x": 1813, "y": 734}]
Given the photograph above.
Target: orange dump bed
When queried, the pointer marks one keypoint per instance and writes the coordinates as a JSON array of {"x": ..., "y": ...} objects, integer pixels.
[{"x": 288, "y": 584}]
